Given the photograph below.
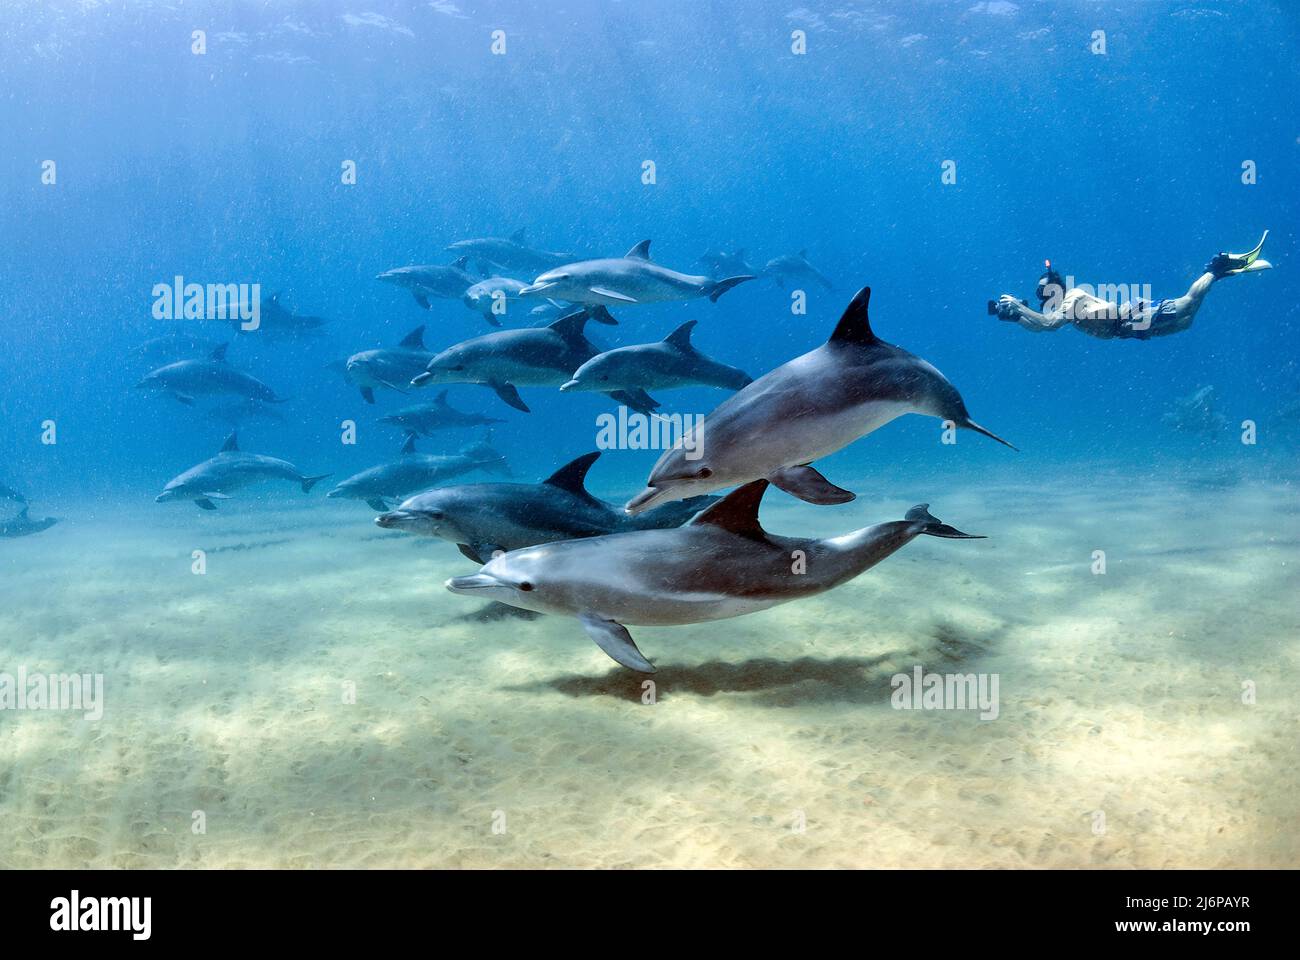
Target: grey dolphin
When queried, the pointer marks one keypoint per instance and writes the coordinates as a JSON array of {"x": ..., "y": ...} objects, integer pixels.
[
  {"x": 721, "y": 564},
  {"x": 1197, "y": 412},
  {"x": 530, "y": 357},
  {"x": 425, "y": 418},
  {"x": 671, "y": 362},
  {"x": 392, "y": 367},
  {"x": 236, "y": 413},
  {"x": 484, "y": 296},
  {"x": 413, "y": 471},
  {"x": 511, "y": 254},
  {"x": 276, "y": 321},
  {"x": 172, "y": 347},
  {"x": 795, "y": 268},
  {"x": 186, "y": 379},
  {"x": 231, "y": 469},
  {"x": 21, "y": 525},
  {"x": 483, "y": 518},
  {"x": 431, "y": 281},
  {"x": 805, "y": 409},
  {"x": 719, "y": 263},
  {"x": 626, "y": 280}
]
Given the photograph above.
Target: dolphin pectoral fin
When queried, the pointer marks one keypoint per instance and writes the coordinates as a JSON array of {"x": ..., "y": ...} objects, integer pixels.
[
  {"x": 368, "y": 394},
  {"x": 470, "y": 553},
  {"x": 375, "y": 503},
  {"x": 612, "y": 294},
  {"x": 421, "y": 299},
  {"x": 809, "y": 485},
  {"x": 203, "y": 503},
  {"x": 613, "y": 638},
  {"x": 510, "y": 396},
  {"x": 637, "y": 400},
  {"x": 184, "y": 398},
  {"x": 491, "y": 319}
]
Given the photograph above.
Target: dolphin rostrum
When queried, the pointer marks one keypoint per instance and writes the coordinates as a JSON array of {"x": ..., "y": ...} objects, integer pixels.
[
  {"x": 425, "y": 418},
  {"x": 804, "y": 410},
  {"x": 231, "y": 469},
  {"x": 721, "y": 564},
  {"x": 431, "y": 281},
  {"x": 625, "y": 280},
  {"x": 484, "y": 518},
  {"x": 413, "y": 471},
  {"x": 672, "y": 362},
  {"x": 393, "y": 367},
  {"x": 186, "y": 379},
  {"x": 529, "y": 357}
]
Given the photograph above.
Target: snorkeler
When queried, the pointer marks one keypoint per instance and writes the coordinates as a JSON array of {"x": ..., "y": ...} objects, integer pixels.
[{"x": 1060, "y": 305}]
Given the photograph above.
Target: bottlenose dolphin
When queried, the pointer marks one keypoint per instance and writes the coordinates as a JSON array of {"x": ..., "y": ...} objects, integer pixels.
[
  {"x": 276, "y": 321},
  {"x": 413, "y": 471},
  {"x": 803, "y": 410},
  {"x": 510, "y": 254},
  {"x": 425, "y": 418},
  {"x": 719, "y": 263},
  {"x": 431, "y": 281},
  {"x": 229, "y": 470},
  {"x": 1196, "y": 413},
  {"x": 21, "y": 525},
  {"x": 186, "y": 379},
  {"x": 721, "y": 564},
  {"x": 671, "y": 362},
  {"x": 630, "y": 279},
  {"x": 529, "y": 357},
  {"x": 172, "y": 347},
  {"x": 236, "y": 413},
  {"x": 485, "y": 294},
  {"x": 795, "y": 268},
  {"x": 483, "y": 518},
  {"x": 392, "y": 368}
]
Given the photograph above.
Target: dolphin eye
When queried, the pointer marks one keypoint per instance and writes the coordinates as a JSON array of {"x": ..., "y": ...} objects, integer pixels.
[{"x": 525, "y": 586}]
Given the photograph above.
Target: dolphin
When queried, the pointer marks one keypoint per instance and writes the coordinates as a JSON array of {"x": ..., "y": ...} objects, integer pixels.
[
  {"x": 239, "y": 412},
  {"x": 231, "y": 469},
  {"x": 803, "y": 410},
  {"x": 186, "y": 379},
  {"x": 484, "y": 518},
  {"x": 1196, "y": 413},
  {"x": 625, "y": 280},
  {"x": 277, "y": 322},
  {"x": 530, "y": 357},
  {"x": 510, "y": 254},
  {"x": 795, "y": 268},
  {"x": 719, "y": 263},
  {"x": 722, "y": 564},
  {"x": 424, "y": 419},
  {"x": 172, "y": 347},
  {"x": 431, "y": 281},
  {"x": 392, "y": 368},
  {"x": 21, "y": 525},
  {"x": 413, "y": 471},
  {"x": 672, "y": 362},
  {"x": 483, "y": 296}
]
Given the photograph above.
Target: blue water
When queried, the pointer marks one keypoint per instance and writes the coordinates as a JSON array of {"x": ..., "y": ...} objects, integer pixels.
[{"x": 1124, "y": 167}]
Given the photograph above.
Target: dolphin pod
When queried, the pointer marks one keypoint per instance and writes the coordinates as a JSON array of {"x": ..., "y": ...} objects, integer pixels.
[
  {"x": 803, "y": 410},
  {"x": 721, "y": 564}
]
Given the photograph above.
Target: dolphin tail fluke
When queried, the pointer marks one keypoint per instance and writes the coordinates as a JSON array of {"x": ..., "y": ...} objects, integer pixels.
[
  {"x": 718, "y": 288},
  {"x": 972, "y": 425},
  {"x": 934, "y": 528},
  {"x": 613, "y": 638},
  {"x": 309, "y": 482},
  {"x": 809, "y": 485}
]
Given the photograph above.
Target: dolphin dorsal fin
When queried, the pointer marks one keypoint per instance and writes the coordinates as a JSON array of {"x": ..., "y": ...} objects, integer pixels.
[
  {"x": 640, "y": 252},
  {"x": 572, "y": 476},
  {"x": 441, "y": 399},
  {"x": 681, "y": 337},
  {"x": 414, "y": 340},
  {"x": 571, "y": 325},
  {"x": 737, "y": 512},
  {"x": 232, "y": 444},
  {"x": 854, "y": 325},
  {"x": 518, "y": 235},
  {"x": 219, "y": 354},
  {"x": 408, "y": 446}
]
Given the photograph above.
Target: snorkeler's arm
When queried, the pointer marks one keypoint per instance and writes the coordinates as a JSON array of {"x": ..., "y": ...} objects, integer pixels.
[{"x": 1009, "y": 308}]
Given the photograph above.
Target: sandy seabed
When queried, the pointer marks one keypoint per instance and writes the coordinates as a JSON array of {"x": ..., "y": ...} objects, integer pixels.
[{"x": 1122, "y": 738}]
